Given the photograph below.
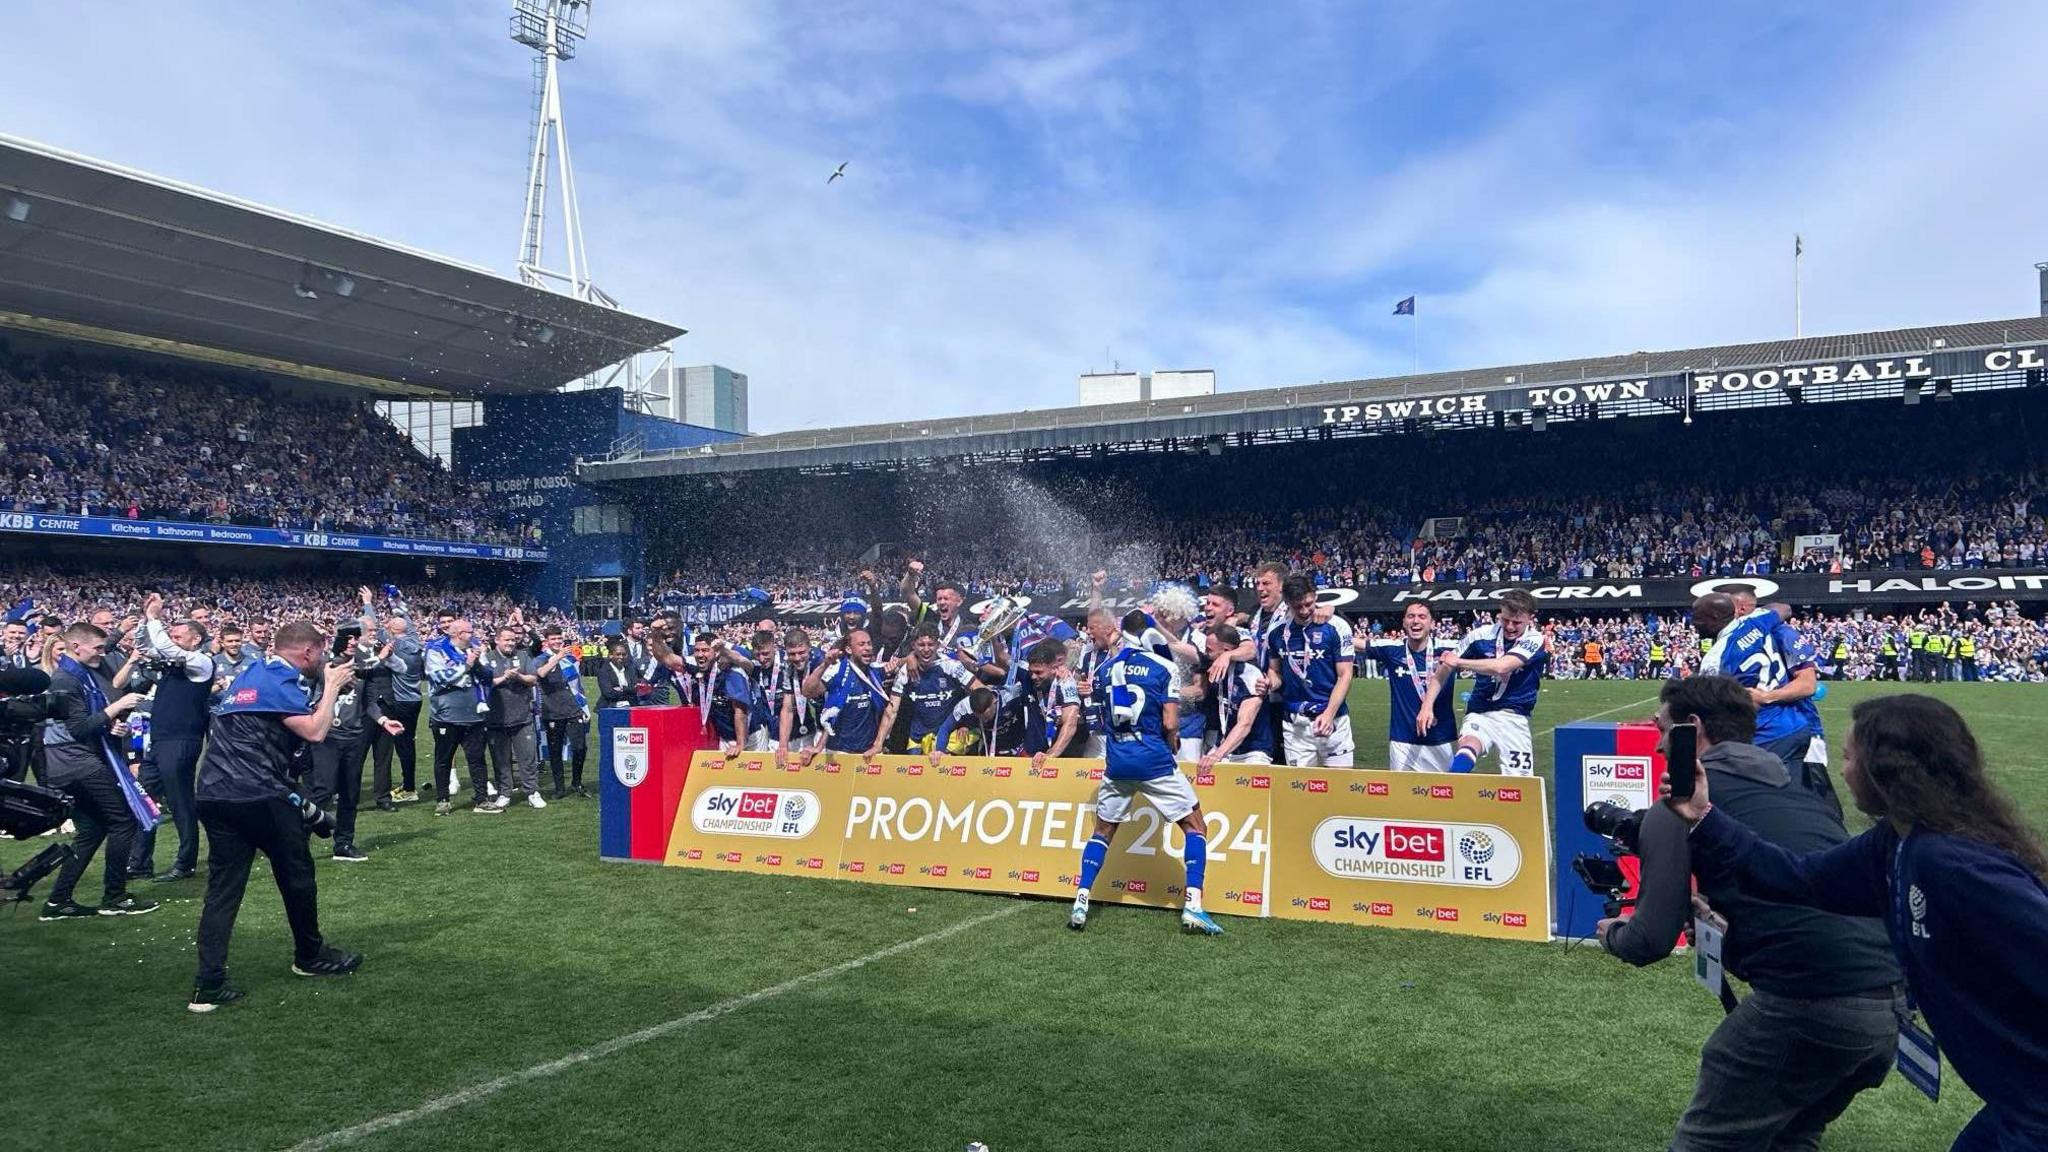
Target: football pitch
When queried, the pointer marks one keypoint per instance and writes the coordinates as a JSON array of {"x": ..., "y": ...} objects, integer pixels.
[{"x": 519, "y": 994}]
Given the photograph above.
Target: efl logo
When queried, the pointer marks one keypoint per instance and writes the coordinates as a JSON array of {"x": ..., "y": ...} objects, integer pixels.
[
  {"x": 1447, "y": 915},
  {"x": 1135, "y": 886},
  {"x": 1411, "y": 843},
  {"x": 757, "y": 806},
  {"x": 1513, "y": 919},
  {"x": 694, "y": 854},
  {"x": 1441, "y": 792},
  {"x": 856, "y": 866},
  {"x": 1376, "y": 788},
  {"x": 1319, "y": 786},
  {"x": 937, "y": 870},
  {"x": 1029, "y": 876},
  {"x": 1262, "y": 781},
  {"x": 1508, "y": 795},
  {"x": 773, "y": 860},
  {"x": 1319, "y": 903},
  {"x": 984, "y": 873},
  {"x": 895, "y": 869},
  {"x": 1204, "y": 779},
  {"x": 245, "y": 696},
  {"x": 1381, "y": 908}
]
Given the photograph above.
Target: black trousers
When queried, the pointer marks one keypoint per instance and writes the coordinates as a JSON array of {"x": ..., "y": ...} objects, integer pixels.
[
  {"x": 338, "y": 777},
  {"x": 406, "y": 712},
  {"x": 236, "y": 830},
  {"x": 572, "y": 736},
  {"x": 17, "y": 754},
  {"x": 169, "y": 772},
  {"x": 101, "y": 815},
  {"x": 473, "y": 741}
]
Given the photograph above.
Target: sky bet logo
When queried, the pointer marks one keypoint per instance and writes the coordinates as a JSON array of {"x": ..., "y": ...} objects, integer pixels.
[
  {"x": 1318, "y": 786},
  {"x": 1416, "y": 852},
  {"x": 752, "y": 805},
  {"x": 1376, "y": 788}
]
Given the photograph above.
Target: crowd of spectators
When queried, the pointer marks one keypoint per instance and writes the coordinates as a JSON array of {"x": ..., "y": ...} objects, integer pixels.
[
  {"x": 141, "y": 444},
  {"x": 1588, "y": 501}
]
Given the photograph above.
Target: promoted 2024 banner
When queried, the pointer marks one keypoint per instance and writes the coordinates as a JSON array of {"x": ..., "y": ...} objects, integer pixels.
[{"x": 1466, "y": 854}]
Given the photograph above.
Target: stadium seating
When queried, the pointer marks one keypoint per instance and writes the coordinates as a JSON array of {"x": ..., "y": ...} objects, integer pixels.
[{"x": 182, "y": 445}]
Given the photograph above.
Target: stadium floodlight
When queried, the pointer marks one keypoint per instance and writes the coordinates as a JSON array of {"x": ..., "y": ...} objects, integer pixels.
[{"x": 17, "y": 209}]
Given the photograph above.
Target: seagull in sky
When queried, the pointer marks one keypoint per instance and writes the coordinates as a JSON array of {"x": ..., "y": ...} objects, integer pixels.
[{"x": 836, "y": 174}]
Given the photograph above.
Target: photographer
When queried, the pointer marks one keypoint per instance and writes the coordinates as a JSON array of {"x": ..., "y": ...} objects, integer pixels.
[
  {"x": 337, "y": 761},
  {"x": 82, "y": 745},
  {"x": 244, "y": 802},
  {"x": 24, "y": 705},
  {"x": 1962, "y": 884},
  {"x": 178, "y": 716},
  {"x": 1819, "y": 1024}
]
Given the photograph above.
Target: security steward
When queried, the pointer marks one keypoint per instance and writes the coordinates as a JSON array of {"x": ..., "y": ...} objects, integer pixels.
[
  {"x": 1966, "y": 648},
  {"x": 1916, "y": 647},
  {"x": 1658, "y": 660},
  {"x": 264, "y": 722},
  {"x": 1888, "y": 657},
  {"x": 1820, "y": 1023}
]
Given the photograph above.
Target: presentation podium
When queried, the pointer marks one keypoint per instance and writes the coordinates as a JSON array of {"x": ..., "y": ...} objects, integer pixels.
[
  {"x": 643, "y": 761},
  {"x": 1617, "y": 763}
]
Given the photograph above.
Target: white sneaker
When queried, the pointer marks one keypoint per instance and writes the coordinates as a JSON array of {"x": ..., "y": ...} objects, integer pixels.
[
  {"x": 535, "y": 800},
  {"x": 502, "y": 802},
  {"x": 1077, "y": 919}
]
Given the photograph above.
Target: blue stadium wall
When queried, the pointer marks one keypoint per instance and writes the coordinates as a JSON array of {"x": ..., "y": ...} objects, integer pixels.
[{"x": 525, "y": 451}]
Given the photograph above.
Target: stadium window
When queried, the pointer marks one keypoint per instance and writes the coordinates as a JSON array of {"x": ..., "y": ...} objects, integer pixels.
[{"x": 600, "y": 520}]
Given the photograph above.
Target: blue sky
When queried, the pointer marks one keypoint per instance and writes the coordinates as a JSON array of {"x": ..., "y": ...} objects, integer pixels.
[{"x": 1037, "y": 190}]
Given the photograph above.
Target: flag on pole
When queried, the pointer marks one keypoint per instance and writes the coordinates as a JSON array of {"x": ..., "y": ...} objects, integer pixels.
[
  {"x": 1405, "y": 307},
  {"x": 1798, "y": 245}
]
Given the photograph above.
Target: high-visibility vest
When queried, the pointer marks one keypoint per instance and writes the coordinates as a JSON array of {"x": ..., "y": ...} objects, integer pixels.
[
  {"x": 1891, "y": 647},
  {"x": 1656, "y": 653},
  {"x": 1969, "y": 647},
  {"x": 1706, "y": 645},
  {"x": 1841, "y": 650},
  {"x": 1916, "y": 639},
  {"x": 1949, "y": 648}
]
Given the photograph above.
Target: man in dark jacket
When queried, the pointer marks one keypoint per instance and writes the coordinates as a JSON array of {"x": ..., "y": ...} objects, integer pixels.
[
  {"x": 337, "y": 762},
  {"x": 618, "y": 678},
  {"x": 80, "y": 742},
  {"x": 1820, "y": 1023},
  {"x": 564, "y": 712},
  {"x": 178, "y": 716}
]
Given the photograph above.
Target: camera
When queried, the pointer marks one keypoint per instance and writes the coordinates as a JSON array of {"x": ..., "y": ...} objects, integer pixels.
[
  {"x": 1602, "y": 875},
  {"x": 27, "y": 810},
  {"x": 313, "y": 817}
]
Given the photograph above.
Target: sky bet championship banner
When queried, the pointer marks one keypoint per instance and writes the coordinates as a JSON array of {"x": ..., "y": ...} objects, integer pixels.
[
  {"x": 115, "y": 528},
  {"x": 1467, "y": 854}
]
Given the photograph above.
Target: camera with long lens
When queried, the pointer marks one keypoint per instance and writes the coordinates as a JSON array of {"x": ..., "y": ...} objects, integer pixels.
[
  {"x": 1602, "y": 875},
  {"x": 313, "y": 817},
  {"x": 27, "y": 810}
]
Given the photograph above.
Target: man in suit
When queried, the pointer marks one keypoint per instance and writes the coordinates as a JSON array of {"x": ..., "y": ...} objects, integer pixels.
[{"x": 618, "y": 678}]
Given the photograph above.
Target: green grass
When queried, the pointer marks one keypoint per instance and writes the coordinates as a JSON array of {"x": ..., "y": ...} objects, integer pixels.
[{"x": 495, "y": 944}]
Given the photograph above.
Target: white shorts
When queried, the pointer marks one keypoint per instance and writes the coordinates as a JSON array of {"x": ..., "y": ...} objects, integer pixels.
[
  {"x": 1305, "y": 749},
  {"x": 1418, "y": 757},
  {"x": 1190, "y": 749},
  {"x": 1817, "y": 751},
  {"x": 1505, "y": 734},
  {"x": 1091, "y": 748},
  {"x": 759, "y": 740},
  {"x": 800, "y": 743},
  {"x": 1248, "y": 758},
  {"x": 1171, "y": 794}
]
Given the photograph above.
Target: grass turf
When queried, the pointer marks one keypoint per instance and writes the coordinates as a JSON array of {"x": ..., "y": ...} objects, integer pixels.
[{"x": 499, "y": 943}]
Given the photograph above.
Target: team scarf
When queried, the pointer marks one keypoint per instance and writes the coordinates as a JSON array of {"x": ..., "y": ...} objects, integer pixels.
[
  {"x": 446, "y": 647},
  {"x": 147, "y": 814}
]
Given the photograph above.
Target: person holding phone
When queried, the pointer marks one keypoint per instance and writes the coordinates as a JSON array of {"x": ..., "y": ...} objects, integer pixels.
[
  {"x": 1961, "y": 883},
  {"x": 1820, "y": 1022}
]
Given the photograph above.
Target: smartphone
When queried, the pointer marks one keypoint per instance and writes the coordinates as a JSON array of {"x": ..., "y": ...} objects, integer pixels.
[{"x": 1682, "y": 759}]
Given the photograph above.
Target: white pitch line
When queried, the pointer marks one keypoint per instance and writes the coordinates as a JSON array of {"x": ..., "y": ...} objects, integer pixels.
[
  {"x": 1597, "y": 715},
  {"x": 489, "y": 1088}
]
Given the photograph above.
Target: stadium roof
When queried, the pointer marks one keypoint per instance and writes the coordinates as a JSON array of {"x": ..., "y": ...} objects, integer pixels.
[
  {"x": 91, "y": 251},
  {"x": 1636, "y": 383}
]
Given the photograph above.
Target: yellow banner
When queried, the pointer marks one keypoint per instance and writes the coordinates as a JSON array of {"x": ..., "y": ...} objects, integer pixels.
[{"x": 1467, "y": 854}]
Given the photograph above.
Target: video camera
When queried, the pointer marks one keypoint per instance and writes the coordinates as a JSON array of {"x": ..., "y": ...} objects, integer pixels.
[
  {"x": 25, "y": 811},
  {"x": 1602, "y": 875}
]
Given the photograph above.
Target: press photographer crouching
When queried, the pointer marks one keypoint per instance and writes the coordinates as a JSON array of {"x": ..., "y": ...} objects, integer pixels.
[
  {"x": 1820, "y": 1023},
  {"x": 247, "y": 805}
]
